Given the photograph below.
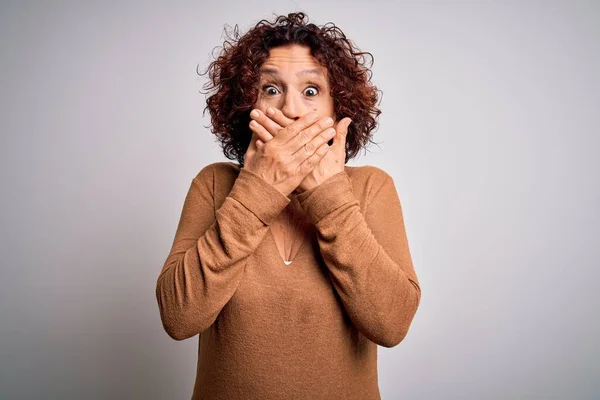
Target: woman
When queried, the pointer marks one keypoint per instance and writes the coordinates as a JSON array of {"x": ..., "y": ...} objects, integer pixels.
[{"x": 291, "y": 266}]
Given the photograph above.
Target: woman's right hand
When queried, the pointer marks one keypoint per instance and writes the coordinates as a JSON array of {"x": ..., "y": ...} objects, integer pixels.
[{"x": 292, "y": 154}]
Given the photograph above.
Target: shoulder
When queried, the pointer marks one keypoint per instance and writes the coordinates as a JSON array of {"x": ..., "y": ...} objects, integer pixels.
[
  {"x": 367, "y": 177},
  {"x": 219, "y": 177},
  {"x": 366, "y": 181},
  {"x": 221, "y": 170}
]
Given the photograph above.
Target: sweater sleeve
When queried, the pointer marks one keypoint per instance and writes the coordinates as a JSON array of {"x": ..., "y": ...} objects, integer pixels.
[
  {"x": 210, "y": 249},
  {"x": 368, "y": 257}
]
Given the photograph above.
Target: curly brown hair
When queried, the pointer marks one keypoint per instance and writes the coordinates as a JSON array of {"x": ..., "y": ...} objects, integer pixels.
[{"x": 234, "y": 77}]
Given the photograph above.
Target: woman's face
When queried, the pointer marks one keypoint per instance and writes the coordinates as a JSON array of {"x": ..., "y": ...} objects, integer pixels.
[{"x": 292, "y": 80}]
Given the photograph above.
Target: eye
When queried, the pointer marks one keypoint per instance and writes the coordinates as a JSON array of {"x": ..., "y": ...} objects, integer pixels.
[
  {"x": 270, "y": 90},
  {"x": 311, "y": 91}
]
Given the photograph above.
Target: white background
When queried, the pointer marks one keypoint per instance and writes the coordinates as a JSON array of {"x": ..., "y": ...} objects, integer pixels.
[{"x": 489, "y": 128}]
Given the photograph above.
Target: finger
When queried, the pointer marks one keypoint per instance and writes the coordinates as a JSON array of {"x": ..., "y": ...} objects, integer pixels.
[
  {"x": 259, "y": 143},
  {"x": 292, "y": 130},
  {"x": 341, "y": 133},
  {"x": 308, "y": 134},
  {"x": 309, "y": 148},
  {"x": 276, "y": 115},
  {"x": 260, "y": 131},
  {"x": 271, "y": 126},
  {"x": 311, "y": 162},
  {"x": 251, "y": 147}
]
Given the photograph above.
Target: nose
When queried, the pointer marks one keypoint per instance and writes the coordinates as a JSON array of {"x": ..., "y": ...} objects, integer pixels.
[{"x": 293, "y": 106}]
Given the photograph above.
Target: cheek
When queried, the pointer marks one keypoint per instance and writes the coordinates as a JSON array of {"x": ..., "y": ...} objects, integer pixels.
[
  {"x": 323, "y": 104},
  {"x": 327, "y": 106},
  {"x": 262, "y": 104}
]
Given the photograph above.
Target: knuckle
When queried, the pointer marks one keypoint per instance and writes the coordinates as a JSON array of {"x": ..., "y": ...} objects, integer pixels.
[
  {"x": 267, "y": 149},
  {"x": 286, "y": 171},
  {"x": 304, "y": 136},
  {"x": 292, "y": 129},
  {"x": 310, "y": 147},
  {"x": 272, "y": 153}
]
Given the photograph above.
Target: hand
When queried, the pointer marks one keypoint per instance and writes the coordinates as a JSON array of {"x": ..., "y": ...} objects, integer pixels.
[
  {"x": 331, "y": 164},
  {"x": 287, "y": 158}
]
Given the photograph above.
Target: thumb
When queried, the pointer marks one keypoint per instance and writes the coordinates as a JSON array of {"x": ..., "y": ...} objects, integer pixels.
[
  {"x": 255, "y": 143},
  {"x": 341, "y": 132}
]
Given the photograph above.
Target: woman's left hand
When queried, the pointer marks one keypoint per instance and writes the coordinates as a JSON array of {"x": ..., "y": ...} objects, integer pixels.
[{"x": 331, "y": 164}]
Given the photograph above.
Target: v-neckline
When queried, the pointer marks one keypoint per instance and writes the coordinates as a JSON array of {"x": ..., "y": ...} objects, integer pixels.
[{"x": 298, "y": 253}]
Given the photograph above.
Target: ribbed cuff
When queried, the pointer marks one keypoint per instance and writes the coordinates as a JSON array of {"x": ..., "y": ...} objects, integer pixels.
[
  {"x": 258, "y": 196},
  {"x": 327, "y": 197}
]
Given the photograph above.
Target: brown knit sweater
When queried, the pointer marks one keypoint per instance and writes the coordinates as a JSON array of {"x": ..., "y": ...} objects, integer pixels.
[{"x": 307, "y": 330}]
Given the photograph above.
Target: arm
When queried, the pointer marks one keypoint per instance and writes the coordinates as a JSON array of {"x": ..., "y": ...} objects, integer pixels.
[
  {"x": 210, "y": 249},
  {"x": 368, "y": 256}
]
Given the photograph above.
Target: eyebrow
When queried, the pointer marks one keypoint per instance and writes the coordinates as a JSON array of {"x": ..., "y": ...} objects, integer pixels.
[{"x": 273, "y": 71}]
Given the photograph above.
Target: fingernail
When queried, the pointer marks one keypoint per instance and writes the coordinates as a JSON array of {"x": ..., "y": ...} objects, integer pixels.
[
  {"x": 270, "y": 111},
  {"x": 328, "y": 121},
  {"x": 254, "y": 114}
]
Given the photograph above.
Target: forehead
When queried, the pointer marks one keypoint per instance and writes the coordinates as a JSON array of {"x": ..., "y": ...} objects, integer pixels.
[{"x": 292, "y": 59}]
